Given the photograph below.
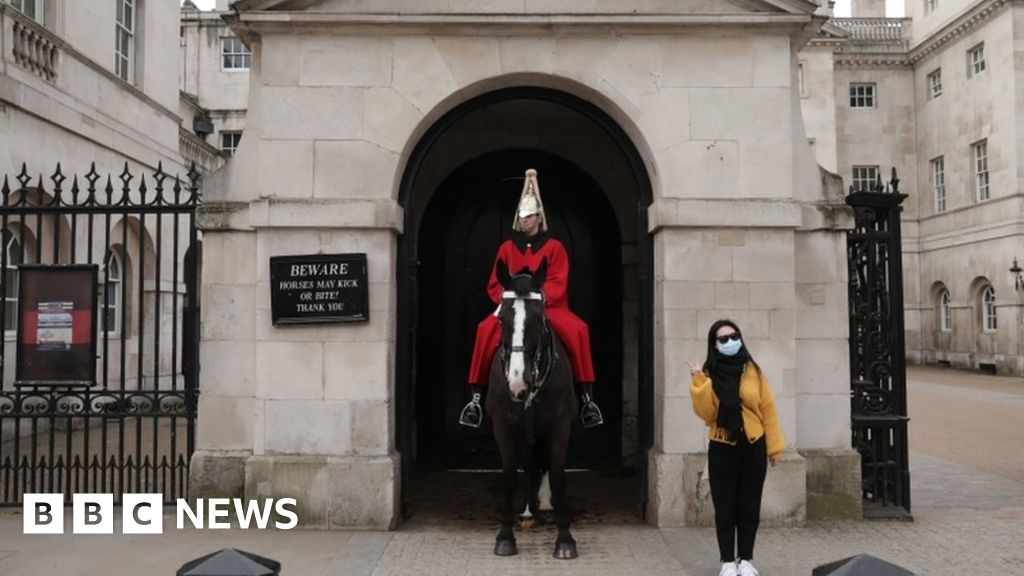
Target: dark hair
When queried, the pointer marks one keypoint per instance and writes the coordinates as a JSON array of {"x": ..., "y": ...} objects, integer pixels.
[{"x": 712, "y": 358}]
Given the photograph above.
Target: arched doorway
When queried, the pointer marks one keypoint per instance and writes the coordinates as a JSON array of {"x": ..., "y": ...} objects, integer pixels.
[{"x": 459, "y": 192}]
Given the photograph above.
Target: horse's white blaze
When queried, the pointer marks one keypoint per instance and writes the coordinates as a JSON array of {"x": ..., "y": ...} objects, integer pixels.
[{"x": 517, "y": 361}]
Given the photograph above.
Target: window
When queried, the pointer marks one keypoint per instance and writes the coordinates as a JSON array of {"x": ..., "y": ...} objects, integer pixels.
[
  {"x": 976, "y": 60},
  {"x": 14, "y": 257},
  {"x": 980, "y": 153},
  {"x": 945, "y": 311},
  {"x": 110, "y": 294},
  {"x": 124, "y": 40},
  {"x": 935, "y": 84},
  {"x": 800, "y": 79},
  {"x": 233, "y": 54},
  {"x": 31, "y": 8},
  {"x": 229, "y": 142},
  {"x": 988, "y": 309},
  {"x": 862, "y": 95},
  {"x": 865, "y": 178},
  {"x": 939, "y": 183},
  {"x": 930, "y": 6}
]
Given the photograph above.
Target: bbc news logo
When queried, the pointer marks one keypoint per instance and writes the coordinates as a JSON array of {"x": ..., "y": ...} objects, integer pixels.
[{"x": 144, "y": 513}]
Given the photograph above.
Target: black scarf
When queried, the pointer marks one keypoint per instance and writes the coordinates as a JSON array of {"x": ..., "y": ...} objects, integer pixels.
[{"x": 725, "y": 379}]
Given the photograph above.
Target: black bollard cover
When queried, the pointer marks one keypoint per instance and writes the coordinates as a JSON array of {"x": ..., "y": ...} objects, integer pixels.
[
  {"x": 230, "y": 562},
  {"x": 860, "y": 565}
]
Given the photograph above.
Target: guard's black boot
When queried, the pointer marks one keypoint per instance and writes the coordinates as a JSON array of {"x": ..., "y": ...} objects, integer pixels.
[
  {"x": 472, "y": 415},
  {"x": 590, "y": 414}
]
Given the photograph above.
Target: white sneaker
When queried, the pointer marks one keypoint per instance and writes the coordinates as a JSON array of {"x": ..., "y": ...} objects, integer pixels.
[
  {"x": 747, "y": 569},
  {"x": 728, "y": 569}
]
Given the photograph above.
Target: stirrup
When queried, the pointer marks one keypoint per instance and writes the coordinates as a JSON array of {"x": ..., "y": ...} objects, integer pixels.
[
  {"x": 590, "y": 414},
  {"x": 471, "y": 414}
]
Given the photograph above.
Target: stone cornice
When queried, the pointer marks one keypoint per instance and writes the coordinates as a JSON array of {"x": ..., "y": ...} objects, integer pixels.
[
  {"x": 862, "y": 60},
  {"x": 490, "y": 24},
  {"x": 958, "y": 27}
]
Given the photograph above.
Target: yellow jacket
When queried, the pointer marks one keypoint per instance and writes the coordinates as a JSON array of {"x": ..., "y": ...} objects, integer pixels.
[{"x": 759, "y": 417}]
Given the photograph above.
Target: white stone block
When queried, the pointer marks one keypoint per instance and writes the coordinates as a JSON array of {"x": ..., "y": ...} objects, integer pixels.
[
  {"x": 354, "y": 170},
  {"x": 356, "y": 370},
  {"x": 421, "y": 75},
  {"x": 389, "y": 119},
  {"x": 228, "y": 311},
  {"x": 678, "y": 324},
  {"x": 822, "y": 421},
  {"x": 704, "y": 60},
  {"x": 683, "y": 430},
  {"x": 345, "y": 61},
  {"x": 224, "y": 423},
  {"x": 272, "y": 242},
  {"x": 823, "y": 365},
  {"x": 822, "y": 310},
  {"x": 700, "y": 169},
  {"x": 732, "y": 295},
  {"x": 532, "y": 55},
  {"x": 695, "y": 255},
  {"x": 820, "y": 257},
  {"x": 228, "y": 368},
  {"x": 772, "y": 296},
  {"x": 666, "y": 120},
  {"x": 582, "y": 58},
  {"x": 297, "y": 180},
  {"x": 308, "y": 427},
  {"x": 767, "y": 256},
  {"x": 223, "y": 248},
  {"x": 326, "y": 113},
  {"x": 289, "y": 370},
  {"x": 692, "y": 295},
  {"x": 469, "y": 59},
  {"x": 634, "y": 69},
  {"x": 279, "y": 56},
  {"x": 371, "y": 429}
]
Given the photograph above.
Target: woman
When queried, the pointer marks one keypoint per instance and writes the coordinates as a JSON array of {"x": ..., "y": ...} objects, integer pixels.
[{"x": 732, "y": 396}]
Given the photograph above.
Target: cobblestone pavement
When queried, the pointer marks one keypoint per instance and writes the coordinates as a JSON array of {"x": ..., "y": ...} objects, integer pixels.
[{"x": 968, "y": 503}]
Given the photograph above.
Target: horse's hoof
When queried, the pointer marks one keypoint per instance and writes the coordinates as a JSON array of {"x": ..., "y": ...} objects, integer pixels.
[
  {"x": 565, "y": 550},
  {"x": 505, "y": 548},
  {"x": 527, "y": 523}
]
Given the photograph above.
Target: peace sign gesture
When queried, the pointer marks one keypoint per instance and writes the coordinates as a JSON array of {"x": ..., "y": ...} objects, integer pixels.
[{"x": 695, "y": 366}]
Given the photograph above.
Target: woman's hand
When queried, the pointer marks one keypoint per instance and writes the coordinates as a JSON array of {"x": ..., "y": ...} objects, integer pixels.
[
  {"x": 773, "y": 460},
  {"x": 694, "y": 367}
]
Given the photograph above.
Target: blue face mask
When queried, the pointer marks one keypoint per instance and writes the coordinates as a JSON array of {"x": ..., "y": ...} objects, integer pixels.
[{"x": 730, "y": 348}]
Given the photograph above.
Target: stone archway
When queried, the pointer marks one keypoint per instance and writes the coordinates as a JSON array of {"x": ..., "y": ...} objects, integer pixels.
[{"x": 600, "y": 191}]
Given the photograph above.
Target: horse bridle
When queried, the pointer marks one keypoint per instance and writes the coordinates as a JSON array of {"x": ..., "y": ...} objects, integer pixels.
[{"x": 547, "y": 337}]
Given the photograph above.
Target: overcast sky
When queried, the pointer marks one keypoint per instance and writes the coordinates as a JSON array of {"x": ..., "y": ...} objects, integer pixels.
[{"x": 893, "y": 7}]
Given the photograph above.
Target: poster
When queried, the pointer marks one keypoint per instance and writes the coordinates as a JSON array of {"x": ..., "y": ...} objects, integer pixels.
[{"x": 56, "y": 325}]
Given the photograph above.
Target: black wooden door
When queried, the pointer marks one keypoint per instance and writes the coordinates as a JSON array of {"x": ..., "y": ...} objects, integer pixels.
[{"x": 468, "y": 217}]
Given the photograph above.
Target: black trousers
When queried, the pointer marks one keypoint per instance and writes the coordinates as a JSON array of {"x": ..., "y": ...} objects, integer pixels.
[{"x": 736, "y": 474}]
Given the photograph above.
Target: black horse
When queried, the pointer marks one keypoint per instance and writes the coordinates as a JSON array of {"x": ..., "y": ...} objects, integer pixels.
[{"x": 531, "y": 403}]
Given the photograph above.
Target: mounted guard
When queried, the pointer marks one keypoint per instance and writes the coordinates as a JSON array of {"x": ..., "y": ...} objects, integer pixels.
[{"x": 530, "y": 245}]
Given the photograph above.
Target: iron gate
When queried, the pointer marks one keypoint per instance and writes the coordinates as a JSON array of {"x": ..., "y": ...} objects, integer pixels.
[
  {"x": 877, "y": 353},
  {"x": 132, "y": 431}
]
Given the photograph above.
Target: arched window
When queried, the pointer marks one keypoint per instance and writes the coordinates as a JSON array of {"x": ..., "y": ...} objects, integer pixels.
[
  {"x": 945, "y": 311},
  {"x": 110, "y": 294},
  {"x": 14, "y": 257},
  {"x": 988, "y": 309}
]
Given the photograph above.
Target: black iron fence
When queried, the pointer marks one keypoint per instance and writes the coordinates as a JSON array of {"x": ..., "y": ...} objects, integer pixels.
[
  {"x": 132, "y": 430},
  {"x": 877, "y": 352}
]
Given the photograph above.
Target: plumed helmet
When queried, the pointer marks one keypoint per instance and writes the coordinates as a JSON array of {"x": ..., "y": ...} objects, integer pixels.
[{"x": 530, "y": 202}]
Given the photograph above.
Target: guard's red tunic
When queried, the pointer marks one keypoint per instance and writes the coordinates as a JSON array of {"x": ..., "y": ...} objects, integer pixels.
[{"x": 570, "y": 328}]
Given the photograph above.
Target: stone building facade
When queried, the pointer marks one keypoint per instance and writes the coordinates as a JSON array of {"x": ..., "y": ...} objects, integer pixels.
[
  {"x": 214, "y": 76},
  {"x": 677, "y": 162},
  {"x": 944, "y": 109},
  {"x": 82, "y": 85}
]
